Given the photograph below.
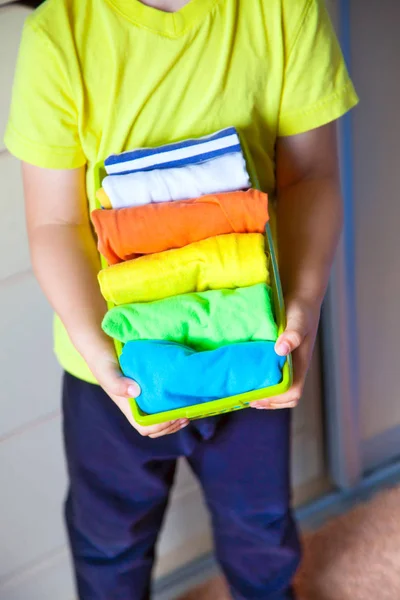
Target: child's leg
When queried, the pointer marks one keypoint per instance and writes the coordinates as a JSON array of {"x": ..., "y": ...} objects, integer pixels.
[
  {"x": 119, "y": 486},
  {"x": 244, "y": 471}
]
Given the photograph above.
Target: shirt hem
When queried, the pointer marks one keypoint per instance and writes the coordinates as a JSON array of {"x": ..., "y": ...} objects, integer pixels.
[
  {"x": 325, "y": 111},
  {"x": 49, "y": 157},
  {"x": 83, "y": 373}
]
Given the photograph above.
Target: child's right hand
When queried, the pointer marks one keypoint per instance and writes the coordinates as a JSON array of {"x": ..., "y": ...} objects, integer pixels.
[
  {"x": 66, "y": 263},
  {"x": 108, "y": 374}
]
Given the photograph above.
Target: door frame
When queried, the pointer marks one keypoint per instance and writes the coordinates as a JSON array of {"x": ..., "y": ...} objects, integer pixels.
[{"x": 339, "y": 322}]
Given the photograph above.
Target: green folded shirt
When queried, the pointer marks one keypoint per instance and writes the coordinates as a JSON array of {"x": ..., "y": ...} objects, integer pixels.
[{"x": 203, "y": 321}]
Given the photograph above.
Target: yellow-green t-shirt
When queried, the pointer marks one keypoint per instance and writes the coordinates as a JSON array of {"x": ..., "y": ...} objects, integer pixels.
[{"x": 96, "y": 77}]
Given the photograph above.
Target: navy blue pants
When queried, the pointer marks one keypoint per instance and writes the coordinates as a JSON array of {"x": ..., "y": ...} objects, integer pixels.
[{"x": 120, "y": 483}]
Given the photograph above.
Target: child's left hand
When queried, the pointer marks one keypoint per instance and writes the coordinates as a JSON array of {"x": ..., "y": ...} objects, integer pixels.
[{"x": 299, "y": 338}]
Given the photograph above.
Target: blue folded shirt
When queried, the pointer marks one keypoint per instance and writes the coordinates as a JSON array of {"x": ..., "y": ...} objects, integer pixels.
[{"x": 174, "y": 376}]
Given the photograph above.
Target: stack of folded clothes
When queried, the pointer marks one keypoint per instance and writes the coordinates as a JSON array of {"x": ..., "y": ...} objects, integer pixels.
[{"x": 183, "y": 234}]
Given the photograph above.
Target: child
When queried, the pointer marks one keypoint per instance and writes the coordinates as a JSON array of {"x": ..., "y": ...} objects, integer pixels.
[{"x": 102, "y": 76}]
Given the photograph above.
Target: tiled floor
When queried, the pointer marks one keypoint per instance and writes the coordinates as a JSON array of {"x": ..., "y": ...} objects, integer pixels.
[
  {"x": 215, "y": 589},
  {"x": 354, "y": 557}
]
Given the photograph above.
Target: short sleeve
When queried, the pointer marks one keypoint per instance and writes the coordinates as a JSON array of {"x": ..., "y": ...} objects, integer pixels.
[
  {"x": 317, "y": 88},
  {"x": 43, "y": 122}
]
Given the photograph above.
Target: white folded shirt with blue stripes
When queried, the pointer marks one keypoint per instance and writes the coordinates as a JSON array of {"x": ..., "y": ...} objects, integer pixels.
[{"x": 179, "y": 154}]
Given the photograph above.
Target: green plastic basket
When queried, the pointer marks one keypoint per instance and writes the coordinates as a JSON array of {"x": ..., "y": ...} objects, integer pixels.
[{"x": 224, "y": 405}]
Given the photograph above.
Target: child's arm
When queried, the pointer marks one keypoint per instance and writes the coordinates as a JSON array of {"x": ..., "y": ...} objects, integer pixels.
[
  {"x": 309, "y": 225},
  {"x": 66, "y": 263}
]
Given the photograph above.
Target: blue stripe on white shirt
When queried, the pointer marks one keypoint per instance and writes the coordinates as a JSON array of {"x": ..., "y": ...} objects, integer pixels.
[{"x": 175, "y": 155}]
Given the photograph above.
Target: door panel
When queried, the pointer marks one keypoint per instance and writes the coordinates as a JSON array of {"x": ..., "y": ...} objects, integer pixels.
[{"x": 376, "y": 131}]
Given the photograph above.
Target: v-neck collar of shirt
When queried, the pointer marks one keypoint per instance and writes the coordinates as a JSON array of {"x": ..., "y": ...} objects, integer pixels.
[{"x": 164, "y": 23}]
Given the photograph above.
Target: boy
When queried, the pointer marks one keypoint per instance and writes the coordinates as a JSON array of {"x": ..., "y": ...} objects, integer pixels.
[{"x": 102, "y": 76}]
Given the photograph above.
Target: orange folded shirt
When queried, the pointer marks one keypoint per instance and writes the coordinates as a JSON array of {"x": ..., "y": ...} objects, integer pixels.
[{"x": 127, "y": 233}]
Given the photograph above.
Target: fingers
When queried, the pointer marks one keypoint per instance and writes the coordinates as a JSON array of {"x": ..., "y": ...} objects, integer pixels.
[
  {"x": 289, "y": 341},
  {"x": 294, "y": 334},
  {"x": 289, "y": 399},
  {"x": 120, "y": 389},
  {"x": 153, "y": 431},
  {"x": 133, "y": 388},
  {"x": 302, "y": 319},
  {"x": 124, "y": 387},
  {"x": 116, "y": 384},
  {"x": 172, "y": 427}
]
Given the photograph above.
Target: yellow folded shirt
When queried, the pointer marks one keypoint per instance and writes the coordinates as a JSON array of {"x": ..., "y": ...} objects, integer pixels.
[
  {"x": 226, "y": 261},
  {"x": 103, "y": 198}
]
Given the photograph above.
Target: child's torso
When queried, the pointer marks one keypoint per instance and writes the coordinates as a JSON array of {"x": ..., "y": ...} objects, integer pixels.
[{"x": 141, "y": 77}]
